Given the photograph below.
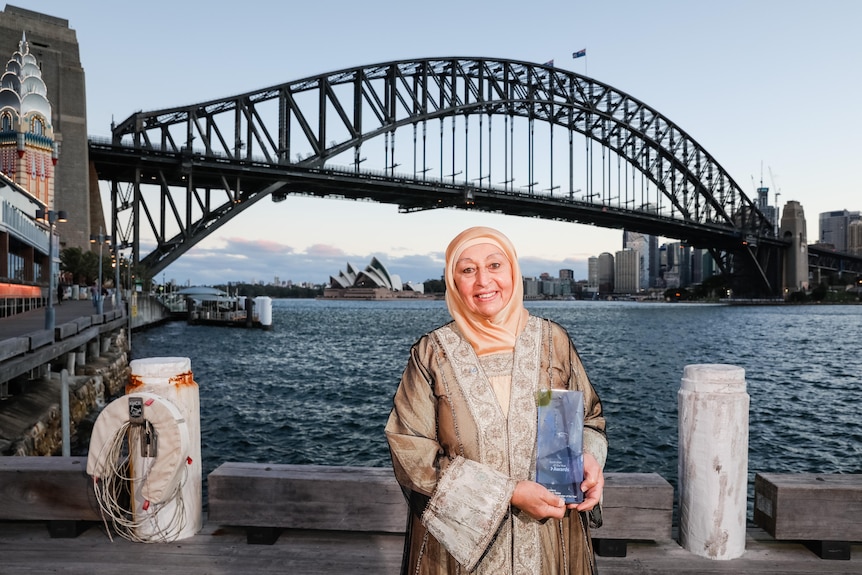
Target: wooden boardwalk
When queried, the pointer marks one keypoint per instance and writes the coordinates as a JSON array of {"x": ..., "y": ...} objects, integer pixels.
[{"x": 27, "y": 549}]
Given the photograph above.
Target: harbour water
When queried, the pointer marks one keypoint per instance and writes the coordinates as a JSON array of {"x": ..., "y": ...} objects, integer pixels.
[{"x": 317, "y": 389}]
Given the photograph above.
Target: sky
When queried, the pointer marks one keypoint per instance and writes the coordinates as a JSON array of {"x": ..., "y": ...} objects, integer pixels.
[{"x": 767, "y": 87}]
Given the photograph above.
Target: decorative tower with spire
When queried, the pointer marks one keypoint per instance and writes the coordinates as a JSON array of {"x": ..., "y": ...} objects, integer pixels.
[{"x": 28, "y": 151}]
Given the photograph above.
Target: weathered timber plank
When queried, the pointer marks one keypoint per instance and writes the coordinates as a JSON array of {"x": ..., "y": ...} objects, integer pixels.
[
  {"x": 44, "y": 349},
  {"x": 26, "y": 549},
  {"x": 40, "y": 338},
  {"x": 13, "y": 346},
  {"x": 66, "y": 330},
  {"x": 46, "y": 488},
  {"x": 213, "y": 551},
  {"x": 306, "y": 497},
  {"x": 809, "y": 506},
  {"x": 636, "y": 506}
]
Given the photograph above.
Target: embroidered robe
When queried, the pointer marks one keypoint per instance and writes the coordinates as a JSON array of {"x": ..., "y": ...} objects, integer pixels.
[{"x": 458, "y": 456}]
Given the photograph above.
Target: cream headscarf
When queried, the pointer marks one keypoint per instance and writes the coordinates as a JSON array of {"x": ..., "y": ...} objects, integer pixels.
[{"x": 497, "y": 334}]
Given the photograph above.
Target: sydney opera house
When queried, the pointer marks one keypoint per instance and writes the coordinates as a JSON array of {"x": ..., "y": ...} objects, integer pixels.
[{"x": 374, "y": 282}]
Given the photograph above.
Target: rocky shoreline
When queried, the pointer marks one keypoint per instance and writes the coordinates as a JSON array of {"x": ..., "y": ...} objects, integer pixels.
[{"x": 91, "y": 387}]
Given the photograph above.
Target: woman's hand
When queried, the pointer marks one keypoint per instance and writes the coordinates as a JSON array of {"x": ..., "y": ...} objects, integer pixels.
[
  {"x": 537, "y": 502},
  {"x": 593, "y": 485}
]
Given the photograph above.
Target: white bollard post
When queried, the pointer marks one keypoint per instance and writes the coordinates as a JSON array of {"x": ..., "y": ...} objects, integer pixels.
[
  {"x": 172, "y": 379},
  {"x": 263, "y": 305},
  {"x": 713, "y": 460}
]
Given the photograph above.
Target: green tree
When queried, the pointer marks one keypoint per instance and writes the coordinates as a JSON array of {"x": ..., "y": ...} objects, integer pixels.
[
  {"x": 798, "y": 297},
  {"x": 819, "y": 293},
  {"x": 434, "y": 286},
  {"x": 71, "y": 261},
  {"x": 713, "y": 287},
  {"x": 83, "y": 267}
]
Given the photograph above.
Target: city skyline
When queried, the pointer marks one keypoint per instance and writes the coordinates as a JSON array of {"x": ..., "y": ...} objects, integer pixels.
[{"x": 733, "y": 76}]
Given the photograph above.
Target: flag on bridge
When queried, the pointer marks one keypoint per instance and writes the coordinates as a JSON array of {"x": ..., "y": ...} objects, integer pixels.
[
  {"x": 549, "y": 63},
  {"x": 579, "y": 53}
]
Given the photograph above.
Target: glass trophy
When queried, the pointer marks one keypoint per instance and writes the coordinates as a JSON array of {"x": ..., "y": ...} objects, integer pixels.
[{"x": 559, "y": 443}]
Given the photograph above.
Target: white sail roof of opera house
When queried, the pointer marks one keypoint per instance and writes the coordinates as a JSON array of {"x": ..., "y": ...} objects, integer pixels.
[{"x": 375, "y": 275}]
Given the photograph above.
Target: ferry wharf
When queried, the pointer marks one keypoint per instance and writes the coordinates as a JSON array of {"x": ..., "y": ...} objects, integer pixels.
[{"x": 28, "y": 546}]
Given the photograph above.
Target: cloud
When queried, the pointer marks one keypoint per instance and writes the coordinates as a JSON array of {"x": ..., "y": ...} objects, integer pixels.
[
  {"x": 325, "y": 251},
  {"x": 267, "y": 246},
  {"x": 242, "y": 260}
]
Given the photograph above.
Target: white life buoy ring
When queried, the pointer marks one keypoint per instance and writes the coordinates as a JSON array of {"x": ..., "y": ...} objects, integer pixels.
[{"x": 163, "y": 473}]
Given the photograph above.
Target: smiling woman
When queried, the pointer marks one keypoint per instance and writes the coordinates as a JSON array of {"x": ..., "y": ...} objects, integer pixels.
[
  {"x": 463, "y": 428},
  {"x": 483, "y": 276}
]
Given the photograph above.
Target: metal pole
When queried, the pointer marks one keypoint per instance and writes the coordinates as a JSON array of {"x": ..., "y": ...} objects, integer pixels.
[
  {"x": 49, "y": 309},
  {"x": 64, "y": 403},
  {"x": 99, "y": 302},
  {"x": 117, "y": 296},
  {"x": 129, "y": 302}
]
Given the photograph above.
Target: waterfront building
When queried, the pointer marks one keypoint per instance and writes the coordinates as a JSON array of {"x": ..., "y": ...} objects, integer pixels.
[
  {"x": 835, "y": 228},
  {"x": 593, "y": 273},
  {"x": 605, "y": 273},
  {"x": 54, "y": 48},
  {"x": 23, "y": 244},
  {"x": 28, "y": 151},
  {"x": 646, "y": 246},
  {"x": 702, "y": 265},
  {"x": 854, "y": 238},
  {"x": 627, "y": 271},
  {"x": 532, "y": 288},
  {"x": 677, "y": 269},
  {"x": 28, "y": 154},
  {"x": 550, "y": 287},
  {"x": 567, "y": 282}
]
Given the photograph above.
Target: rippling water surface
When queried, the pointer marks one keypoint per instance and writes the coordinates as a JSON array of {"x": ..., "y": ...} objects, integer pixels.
[{"x": 317, "y": 389}]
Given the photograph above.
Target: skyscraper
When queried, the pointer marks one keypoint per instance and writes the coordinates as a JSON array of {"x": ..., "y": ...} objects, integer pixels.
[
  {"x": 854, "y": 238},
  {"x": 627, "y": 271},
  {"x": 834, "y": 228},
  {"x": 593, "y": 273},
  {"x": 678, "y": 270},
  {"x": 648, "y": 257},
  {"x": 606, "y": 273}
]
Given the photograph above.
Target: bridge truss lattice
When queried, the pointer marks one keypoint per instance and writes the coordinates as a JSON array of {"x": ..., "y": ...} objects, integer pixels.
[{"x": 472, "y": 133}]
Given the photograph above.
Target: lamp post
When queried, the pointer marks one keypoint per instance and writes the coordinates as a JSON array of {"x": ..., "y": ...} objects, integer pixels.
[
  {"x": 51, "y": 218},
  {"x": 101, "y": 238},
  {"x": 117, "y": 297}
]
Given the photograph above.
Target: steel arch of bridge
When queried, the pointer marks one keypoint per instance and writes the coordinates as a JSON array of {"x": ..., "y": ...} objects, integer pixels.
[{"x": 211, "y": 161}]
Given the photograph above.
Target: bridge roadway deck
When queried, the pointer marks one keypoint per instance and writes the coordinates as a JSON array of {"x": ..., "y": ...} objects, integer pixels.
[{"x": 27, "y": 548}]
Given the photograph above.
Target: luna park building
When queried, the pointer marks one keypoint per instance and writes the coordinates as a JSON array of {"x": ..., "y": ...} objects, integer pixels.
[{"x": 28, "y": 156}]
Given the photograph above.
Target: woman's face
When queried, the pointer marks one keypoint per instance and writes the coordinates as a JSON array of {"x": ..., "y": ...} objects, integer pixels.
[{"x": 483, "y": 277}]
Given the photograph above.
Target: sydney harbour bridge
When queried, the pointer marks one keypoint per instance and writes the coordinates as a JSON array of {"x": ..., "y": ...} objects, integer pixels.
[{"x": 496, "y": 135}]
